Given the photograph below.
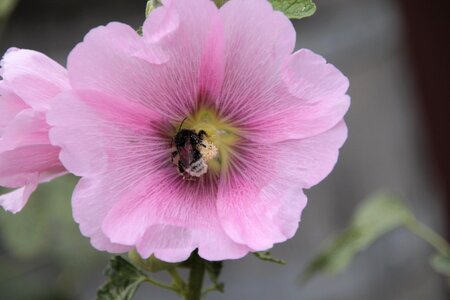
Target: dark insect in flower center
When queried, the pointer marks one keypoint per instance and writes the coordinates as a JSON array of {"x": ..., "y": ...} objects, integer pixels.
[{"x": 187, "y": 154}]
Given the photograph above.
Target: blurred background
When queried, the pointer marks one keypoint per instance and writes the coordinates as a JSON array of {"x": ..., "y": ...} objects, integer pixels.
[{"x": 396, "y": 54}]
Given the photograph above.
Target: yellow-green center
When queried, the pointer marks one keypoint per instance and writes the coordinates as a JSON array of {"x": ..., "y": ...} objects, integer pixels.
[{"x": 220, "y": 139}]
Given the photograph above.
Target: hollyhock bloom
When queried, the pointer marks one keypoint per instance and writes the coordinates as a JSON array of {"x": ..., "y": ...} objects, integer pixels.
[
  {"x": 256, "y": 125},
  {"x": 30, "y": 81}
]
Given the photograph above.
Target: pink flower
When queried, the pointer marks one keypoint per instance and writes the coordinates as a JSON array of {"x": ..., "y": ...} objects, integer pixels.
[
  {"x": 273, "y": 125},
  {"x": 30, "y": 81}
]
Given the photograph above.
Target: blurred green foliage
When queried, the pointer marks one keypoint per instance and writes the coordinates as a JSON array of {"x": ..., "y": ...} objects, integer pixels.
[
  {"x": 441, "y": 264},
  {"x": 42, "y": 247},
  {"x": 6, "y": 9},
  {"x": 375, "y": 217}
]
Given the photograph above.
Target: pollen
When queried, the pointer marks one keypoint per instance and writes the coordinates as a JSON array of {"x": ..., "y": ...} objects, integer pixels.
[{"x": 209, "y": 150}]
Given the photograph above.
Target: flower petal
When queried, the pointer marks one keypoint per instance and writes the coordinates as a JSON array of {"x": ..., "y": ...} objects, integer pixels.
[
  {"x": 91, "y": 201},
  {"x": 174, "y": 243},
  {"x": 110, "y": 141},
  {"x": 260, "y": 200},
  {"x": 248, "y": 207},
  {"x": 86, "y": 123},
  {"x": 310, "y": 78},
  {"x": 257, "y": 41},
  {"x": 168, "y": 84},
  {"x": 114, "y": 144},
  {"x": 19, "y": 167},
  {"x": 10, "y": 106},
  {"x": 310, "y": 100},
  {"x": 28, "y": 128},
  {"x": 161, "y": 23},
  {"x": 14, "y": 201},
  {"x": 309, "y": 161},
  {"x": 212, "y": 68},
  {"x": 105, "y": 61},
  {"x": 167, "y": 242},
  {"x": 169, "y": 217},
  {"x": 33, "y": 76},
  {"x": 194, "y": 43}
]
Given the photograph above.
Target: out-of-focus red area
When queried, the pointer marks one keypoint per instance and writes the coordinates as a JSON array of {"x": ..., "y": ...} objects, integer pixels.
[{"x": 428, "y": 36}]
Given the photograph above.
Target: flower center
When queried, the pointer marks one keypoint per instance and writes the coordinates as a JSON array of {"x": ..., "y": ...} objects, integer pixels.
[{"x": 203, "y": 143}]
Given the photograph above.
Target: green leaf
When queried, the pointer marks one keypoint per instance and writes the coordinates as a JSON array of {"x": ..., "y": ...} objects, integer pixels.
[
  {"x": 295, "y": 9},
  {"x": 441, "y": 264},
  {"x": 376, "y": 216},
  {"x": 124, "y": 279},
  {"x": 151, "y": 5},
  {"x": 219, "y": 3},
  {"x": 267, "y": 256},
  {"x": 151, "y": 264}
]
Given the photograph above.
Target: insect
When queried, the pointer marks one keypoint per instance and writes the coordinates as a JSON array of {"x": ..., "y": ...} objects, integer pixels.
[{"x": 187, "y": 155}]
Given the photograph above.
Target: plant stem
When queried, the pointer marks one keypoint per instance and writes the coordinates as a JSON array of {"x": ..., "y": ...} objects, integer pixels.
[
  {"x": 429, "y": 235},
  {"x": 161, "y": 284},
  {"x": 208, "y": 290},
  {"x": 196, "y": 278},
  {"x": 177, "y": 279}
]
